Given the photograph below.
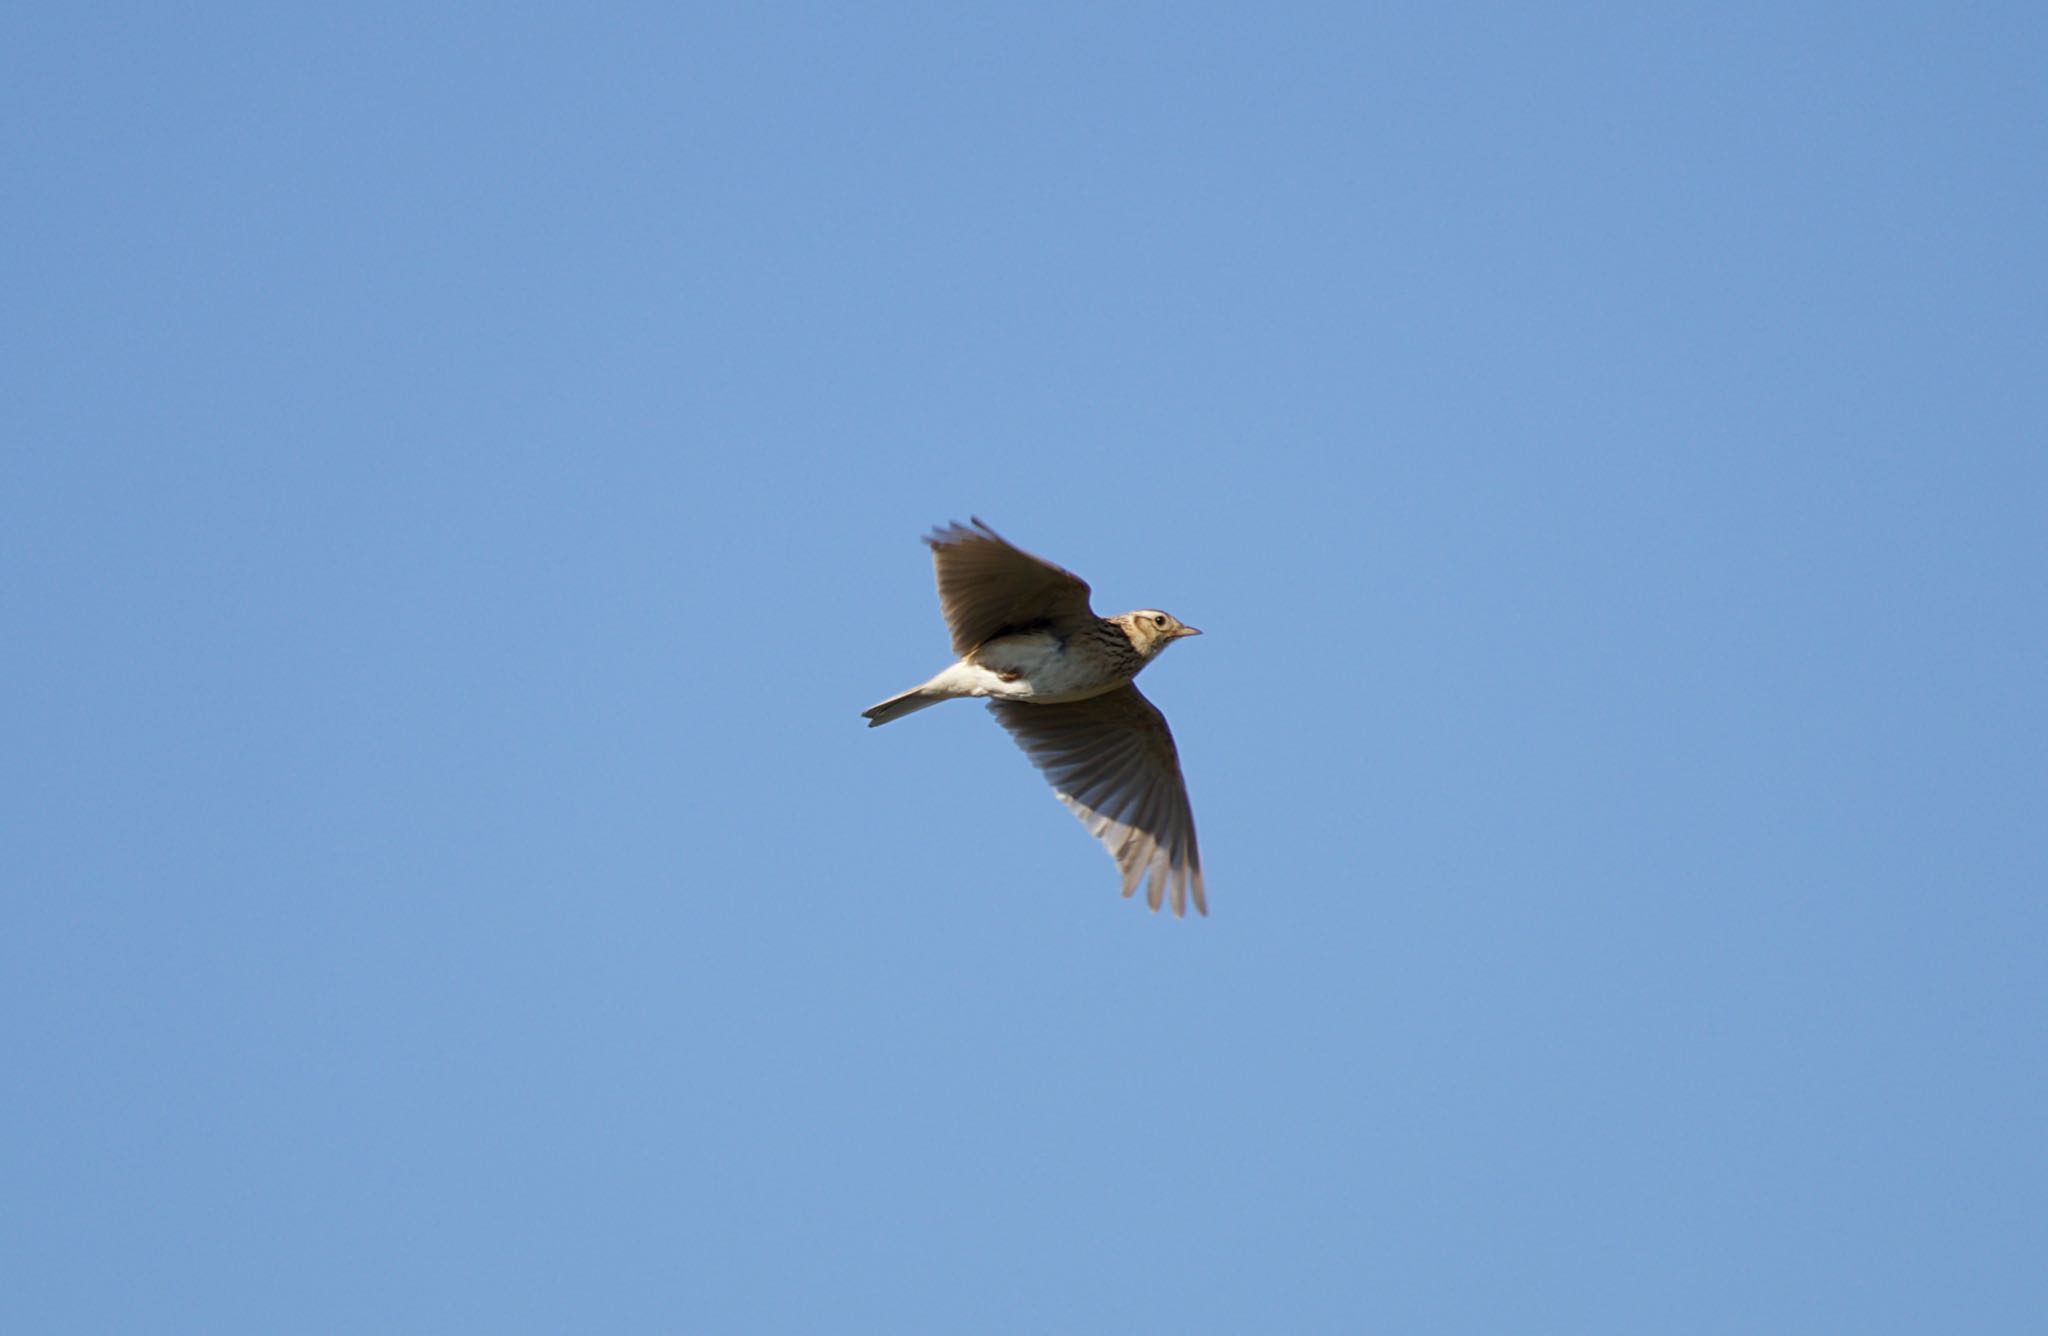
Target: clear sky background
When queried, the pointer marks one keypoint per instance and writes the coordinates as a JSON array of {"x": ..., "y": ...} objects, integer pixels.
[{"x": 463, "y": 475}]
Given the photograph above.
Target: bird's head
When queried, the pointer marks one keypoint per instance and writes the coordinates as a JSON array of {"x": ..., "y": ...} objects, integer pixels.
[{"x": 1151, "y": 630}]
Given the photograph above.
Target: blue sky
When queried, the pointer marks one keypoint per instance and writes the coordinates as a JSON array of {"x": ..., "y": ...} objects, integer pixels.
[{"x": 462, "y": 478}]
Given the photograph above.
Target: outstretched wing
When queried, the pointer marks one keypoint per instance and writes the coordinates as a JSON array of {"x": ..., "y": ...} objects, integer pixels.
[
  {"x": 1112, "y": 760},
  {"x": 987, "y": 587}
]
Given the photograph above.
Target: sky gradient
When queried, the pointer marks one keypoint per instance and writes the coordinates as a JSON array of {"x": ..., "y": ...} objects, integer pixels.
[{"x": 460, "y": 482}]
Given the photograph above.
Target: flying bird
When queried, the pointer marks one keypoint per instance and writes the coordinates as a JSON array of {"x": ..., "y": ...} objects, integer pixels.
[{"x": 1058, "y": 677}]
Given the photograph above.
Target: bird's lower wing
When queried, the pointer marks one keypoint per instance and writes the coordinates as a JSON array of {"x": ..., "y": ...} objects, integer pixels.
[{"x": 1112, "y": 760}]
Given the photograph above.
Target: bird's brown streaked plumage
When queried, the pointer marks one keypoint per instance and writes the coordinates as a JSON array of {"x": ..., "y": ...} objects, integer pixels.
[
  {"x": 1111, "y": 759},
  {"x": 1058, "y": 677}
]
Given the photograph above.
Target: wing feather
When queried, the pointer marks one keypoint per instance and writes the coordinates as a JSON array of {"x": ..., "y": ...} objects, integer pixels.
[
  {"x": 988, "y": 587},
  {"x": 1111, "y": 759}
]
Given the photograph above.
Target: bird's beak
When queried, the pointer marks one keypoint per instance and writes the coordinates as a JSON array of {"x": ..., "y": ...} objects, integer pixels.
[{"x": 1186, "y": 631}]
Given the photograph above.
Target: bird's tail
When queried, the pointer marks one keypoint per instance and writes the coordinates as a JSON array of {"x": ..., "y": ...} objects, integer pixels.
[{"x": 910, "y": 702}]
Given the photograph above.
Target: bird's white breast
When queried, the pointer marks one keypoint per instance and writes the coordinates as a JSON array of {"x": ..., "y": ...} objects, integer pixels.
[{"x": 1043, "y": 671}]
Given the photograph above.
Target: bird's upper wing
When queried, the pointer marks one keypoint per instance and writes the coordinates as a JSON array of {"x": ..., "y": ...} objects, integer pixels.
[
  {"x": 987, "y": 587},
  {"x": 1112, "y": 760}
]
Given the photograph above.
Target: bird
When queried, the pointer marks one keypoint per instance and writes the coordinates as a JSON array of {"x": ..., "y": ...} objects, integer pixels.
[{"x": 1059, "y": 679}]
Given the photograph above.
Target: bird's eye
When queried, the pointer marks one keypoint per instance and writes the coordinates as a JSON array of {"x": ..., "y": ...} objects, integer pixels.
[{"x": 1158, "y": 621}]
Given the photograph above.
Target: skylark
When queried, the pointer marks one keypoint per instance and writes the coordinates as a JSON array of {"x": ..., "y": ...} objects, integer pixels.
[{"x": 1059, "y": 678}]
